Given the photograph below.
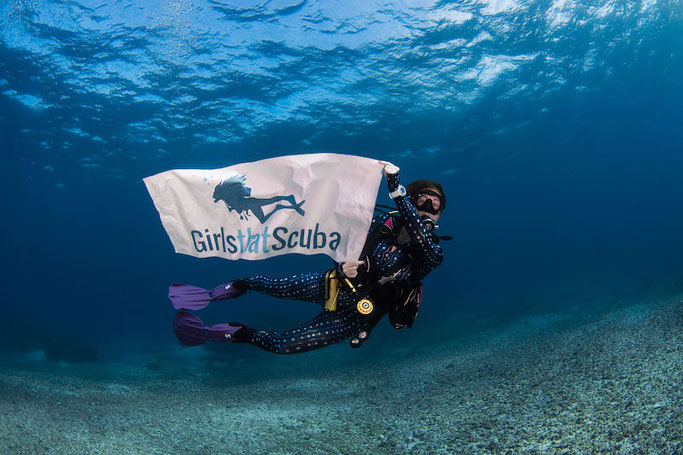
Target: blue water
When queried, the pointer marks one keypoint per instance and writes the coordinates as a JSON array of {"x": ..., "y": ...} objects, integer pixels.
[{"x": 554, "y": 127}]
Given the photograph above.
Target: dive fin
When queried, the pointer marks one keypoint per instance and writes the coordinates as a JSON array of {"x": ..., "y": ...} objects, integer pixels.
[
  {"x": 191, "y": 331},
  {"x": 186, "y": 297}
]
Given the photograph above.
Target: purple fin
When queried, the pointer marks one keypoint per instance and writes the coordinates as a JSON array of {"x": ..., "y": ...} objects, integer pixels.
[
  {"x": 222, "y": 332},
  {"x": 189, "y": 329},
  {"x": 186, "y": 297},
  {"x": 225, "y": 291}
]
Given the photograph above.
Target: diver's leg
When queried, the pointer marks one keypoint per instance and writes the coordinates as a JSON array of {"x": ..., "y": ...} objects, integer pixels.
[
  {"x": 327, "y": 328},
  {"x": 257, "y": 204},
  {"x": 260, "y": 203},
  {"x": 277, "y": 207},
  {"x": 270, "y": 200},
  {"x": 309, "y": 287},
  {"x": 258, "y": 213}
]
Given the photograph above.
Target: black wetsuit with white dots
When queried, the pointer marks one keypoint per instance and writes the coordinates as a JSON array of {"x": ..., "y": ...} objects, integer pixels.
[{"x": 395, "y": 264}]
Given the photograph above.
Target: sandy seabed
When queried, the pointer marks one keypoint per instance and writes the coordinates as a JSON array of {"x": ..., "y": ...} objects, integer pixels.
[{"x": 607, "y": 381}]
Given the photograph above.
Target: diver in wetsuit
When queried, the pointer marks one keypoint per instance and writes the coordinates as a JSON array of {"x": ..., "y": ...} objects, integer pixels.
[{"x": 400, "y": 251}]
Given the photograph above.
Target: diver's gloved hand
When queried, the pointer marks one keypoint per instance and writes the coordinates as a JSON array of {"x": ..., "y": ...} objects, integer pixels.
[
  {"x": 390, "y": 169},
  {"x": 391, "y": 172}
]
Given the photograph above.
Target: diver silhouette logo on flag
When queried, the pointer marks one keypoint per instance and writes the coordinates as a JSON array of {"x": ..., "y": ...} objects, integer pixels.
[{"x": 237, "y": 196}]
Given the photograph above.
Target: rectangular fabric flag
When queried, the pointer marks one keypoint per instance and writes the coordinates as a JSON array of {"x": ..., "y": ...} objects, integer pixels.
[{"x": 308, "y": 204}]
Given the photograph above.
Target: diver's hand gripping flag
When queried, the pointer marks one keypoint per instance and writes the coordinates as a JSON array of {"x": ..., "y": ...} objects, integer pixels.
[{"x": 308, "y": 204}]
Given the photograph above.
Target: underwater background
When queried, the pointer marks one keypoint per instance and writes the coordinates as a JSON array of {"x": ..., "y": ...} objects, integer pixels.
[{"x": 555, "y": 128}]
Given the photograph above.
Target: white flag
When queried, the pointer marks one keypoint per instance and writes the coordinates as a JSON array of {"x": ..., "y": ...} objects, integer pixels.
[{"x": 308, "y": 204}]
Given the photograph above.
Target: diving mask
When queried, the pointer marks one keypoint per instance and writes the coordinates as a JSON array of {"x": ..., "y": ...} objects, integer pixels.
[{"x": 428, "y": 201}]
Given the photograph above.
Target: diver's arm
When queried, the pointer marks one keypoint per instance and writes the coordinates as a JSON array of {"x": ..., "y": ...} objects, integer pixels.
[{"x": 430, "y": 253}]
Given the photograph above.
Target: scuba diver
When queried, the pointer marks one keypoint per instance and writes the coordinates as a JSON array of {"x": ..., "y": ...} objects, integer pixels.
[
  {"x": 237, "y": 196},
  {"x": 400, "y": 250}
]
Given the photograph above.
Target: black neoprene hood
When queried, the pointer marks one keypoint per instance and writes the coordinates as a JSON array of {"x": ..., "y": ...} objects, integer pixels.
[{"x": 420, "y": 185}]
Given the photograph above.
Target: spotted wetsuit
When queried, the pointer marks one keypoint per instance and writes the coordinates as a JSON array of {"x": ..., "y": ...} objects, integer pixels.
[{"x": 395, "y": 265}]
